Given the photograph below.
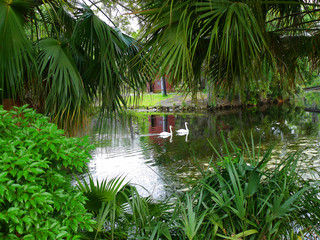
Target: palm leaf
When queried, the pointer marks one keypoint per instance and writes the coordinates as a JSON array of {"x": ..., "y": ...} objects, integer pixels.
[
  {"x": 236, "y": 45},
  {"x": 113, "y": 190},
  {"x": 15, "y": 49},
  {"x": 104, "y": 69},
  {"x": 231, "y": 34},
  {"x": 66, "y": 100}
]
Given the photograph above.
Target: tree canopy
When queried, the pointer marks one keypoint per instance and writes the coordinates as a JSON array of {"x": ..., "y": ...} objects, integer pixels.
[
  {"x": 234, "y": 44},
  {"x": 60, "y": 57}
]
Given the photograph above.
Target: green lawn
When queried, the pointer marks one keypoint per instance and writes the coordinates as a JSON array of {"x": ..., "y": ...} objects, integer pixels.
[{"x": 150, "y": 100}]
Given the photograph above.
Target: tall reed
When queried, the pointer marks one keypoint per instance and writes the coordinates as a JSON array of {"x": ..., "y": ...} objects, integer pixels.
[{"x": 242, "y": 195}]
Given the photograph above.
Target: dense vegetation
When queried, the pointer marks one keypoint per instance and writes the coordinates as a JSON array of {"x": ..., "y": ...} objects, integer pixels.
[
  {"x": 248, "y": 48},
  {"x": 62, "y": 59},
  {"x": 242, "y": 196},
  {"x": 36, "y": 160},
  {"x": 65, "y": 59}
]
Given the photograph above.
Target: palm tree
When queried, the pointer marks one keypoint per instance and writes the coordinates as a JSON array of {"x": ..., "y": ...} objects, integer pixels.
[
  {"x": 61, "y": 58},
  {"x": 235, "y": 44}
]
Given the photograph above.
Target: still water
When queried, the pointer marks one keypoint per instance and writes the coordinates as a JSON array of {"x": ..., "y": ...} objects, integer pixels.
[{"x": 159, "y": 166}]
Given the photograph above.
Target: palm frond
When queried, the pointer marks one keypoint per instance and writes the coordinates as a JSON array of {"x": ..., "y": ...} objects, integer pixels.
[
  {"x": 15, "y": 50},
  {"x": 237, "y": 45},
  {"x": 106, "y": 72},
  {"x": 105, "y": 191},
  {"x": 66, "y": 100}
]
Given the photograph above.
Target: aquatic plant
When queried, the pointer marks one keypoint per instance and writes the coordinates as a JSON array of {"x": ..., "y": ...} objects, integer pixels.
[
  {"x": 242, "y": 195},
  {"x": 250, "y": 197}
]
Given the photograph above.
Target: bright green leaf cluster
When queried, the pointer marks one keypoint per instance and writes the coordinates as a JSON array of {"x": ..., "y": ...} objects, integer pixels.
[{"x": 35, "y": 164}]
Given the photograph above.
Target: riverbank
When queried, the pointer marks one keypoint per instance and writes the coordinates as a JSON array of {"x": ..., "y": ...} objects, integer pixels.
[{"x": 181, "y": 102}]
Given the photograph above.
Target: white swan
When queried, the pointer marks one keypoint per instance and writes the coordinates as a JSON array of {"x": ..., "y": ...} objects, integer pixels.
[
  {"x": 183, "y": 131},
  {"x": 166, "y": 134}
]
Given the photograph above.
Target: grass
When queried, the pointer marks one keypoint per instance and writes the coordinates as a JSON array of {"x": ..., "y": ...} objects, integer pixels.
[
  {"x": 154, "y": 99},
  {"x": 150, "y": 100}
]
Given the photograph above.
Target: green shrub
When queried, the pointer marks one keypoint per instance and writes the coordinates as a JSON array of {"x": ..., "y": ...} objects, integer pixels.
[{"x": 37, "y": 200}]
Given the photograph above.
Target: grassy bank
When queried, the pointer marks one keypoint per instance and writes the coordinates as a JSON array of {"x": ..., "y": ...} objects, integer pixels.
[{"x": 149, "y": 100}]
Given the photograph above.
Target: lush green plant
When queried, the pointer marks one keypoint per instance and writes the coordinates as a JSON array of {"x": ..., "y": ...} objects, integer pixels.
[
  {"x": 237, "y": 45},
  {"x": 122, "y": 213},
  {"x": 243, "y": 196},
  {"x": 255, "y": 199},
  {"x": 37, "y": 200},
  {"x": 64, "y": 59}
]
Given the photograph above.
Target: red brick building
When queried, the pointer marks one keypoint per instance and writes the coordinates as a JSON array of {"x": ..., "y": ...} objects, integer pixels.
[{"x": 156, "y": 86}]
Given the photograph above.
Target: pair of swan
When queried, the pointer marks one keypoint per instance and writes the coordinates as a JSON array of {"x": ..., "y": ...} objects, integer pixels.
[{"x": 179, "y": 132}]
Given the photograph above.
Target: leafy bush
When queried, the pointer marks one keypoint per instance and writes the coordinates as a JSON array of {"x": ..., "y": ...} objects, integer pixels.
[{"x": 37, "y": 200}]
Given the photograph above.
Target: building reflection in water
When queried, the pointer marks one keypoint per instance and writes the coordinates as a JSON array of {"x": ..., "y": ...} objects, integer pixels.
[{"x": 160, "y": 124}]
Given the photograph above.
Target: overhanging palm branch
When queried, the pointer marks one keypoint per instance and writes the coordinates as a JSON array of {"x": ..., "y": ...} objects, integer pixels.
[
  {"x": 66, "y": 97},
  {"x": 167, "y": 38},
  {"x": 236, "y": 40},
  {"x": 16, "y": 52},
  {"x": 83, "y": 61},
  {"x": 108, "y": 73},
  {"x": 189, "y": 36},
  {"x": 231, "y": 42}
]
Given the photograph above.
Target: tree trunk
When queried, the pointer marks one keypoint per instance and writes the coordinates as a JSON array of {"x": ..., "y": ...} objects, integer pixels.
[
  {"x": 210, "y": 94},
  {"x": 163, "y": 86},
  {"x": 150, "y": 86}
]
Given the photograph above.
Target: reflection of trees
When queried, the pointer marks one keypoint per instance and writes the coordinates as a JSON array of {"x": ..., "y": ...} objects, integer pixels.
[
  {"x": 268, "y": 124},
  {"x": 177, "y": 160},
  {"x": 272, "y": 125}
]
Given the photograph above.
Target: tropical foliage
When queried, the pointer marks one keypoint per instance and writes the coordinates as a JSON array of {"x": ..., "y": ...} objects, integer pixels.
[
  {"x": 64, "y": 59},
  {"x": 240, "y": 46},
  {"x": 121, "y": 212},
  {"x": 244, "y": 195},
  {"x": 249, "y": 195},
  {"x": 35, "y": 184}
]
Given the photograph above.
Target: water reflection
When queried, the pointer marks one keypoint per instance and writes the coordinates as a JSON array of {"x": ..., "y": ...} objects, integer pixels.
[{"x": 161, "y": 165}]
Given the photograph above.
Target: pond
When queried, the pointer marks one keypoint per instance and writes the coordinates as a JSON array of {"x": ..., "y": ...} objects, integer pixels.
[{"x": 159, "y": 166}]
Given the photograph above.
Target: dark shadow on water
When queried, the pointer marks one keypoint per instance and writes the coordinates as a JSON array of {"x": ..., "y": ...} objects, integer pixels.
[{"x": 130, "y": 144}]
